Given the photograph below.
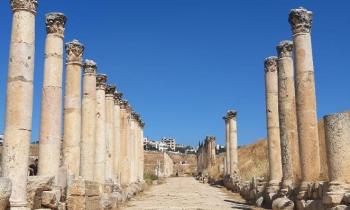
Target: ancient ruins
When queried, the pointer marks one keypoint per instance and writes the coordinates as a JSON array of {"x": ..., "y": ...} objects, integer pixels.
[
  {"x": 91, "y": 153},
  {"x": 98, "y": 162}
]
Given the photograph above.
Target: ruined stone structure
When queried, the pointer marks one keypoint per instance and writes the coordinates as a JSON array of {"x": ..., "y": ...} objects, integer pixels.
[{"x": 87, "y": 175}]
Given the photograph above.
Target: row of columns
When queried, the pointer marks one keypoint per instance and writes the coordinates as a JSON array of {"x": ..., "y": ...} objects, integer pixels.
[
  {"x": 291, "y": 108},
  {"x": 102, "y": 136},
  {"x": 231, "y": 163}
]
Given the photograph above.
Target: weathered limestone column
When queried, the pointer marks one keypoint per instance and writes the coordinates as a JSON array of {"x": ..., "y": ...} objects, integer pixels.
[
  {"x": 116, "y": 158},
  {"x": 231, "y": 117},
  {"x": 19, "y": 100},
  {"x": 142, "y": 124},
  {"x": 287, "y": 115},
  {"x": 88, "y": 121},
  {"x": 132, "y": 144},
  {"x": 72, "y": 109},
  {"x": 301, "y": 21},
  {"x": 110, "y": 141},
  {"x": 51, "y": 101},
  {"x": 129, "y": 144},
  {"x": 273, "y": 130},
  {"x": 337, "y": 128},
  {"x": 227, "y": 136},
  {"x": 123, "y": 142},
  {"x": 100, "y": 146}
]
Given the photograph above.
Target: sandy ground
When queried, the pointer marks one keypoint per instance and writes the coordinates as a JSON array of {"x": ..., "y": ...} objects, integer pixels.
[{"x": 186, "y": 193}]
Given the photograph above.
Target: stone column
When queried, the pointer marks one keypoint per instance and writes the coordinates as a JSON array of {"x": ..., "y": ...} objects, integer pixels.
[
  {"x": 72, "y": 109},
  {"x": 337, "y": 128},
  {"x": 123, "y": 142},
  {"x": 227, "y": 131},
  {"x": 231, "y": 117},
  {"x": 116, "y": 163},
  {"x": 100, "y": 146},
  {"x": 110, "y": 89},
  {"x": 300, "y": 21},
  {"x": 273, "y": 130},
  {"x": 132, "y": 144},
  {"x": 19, "y": 100},
  {"x": 88, "y": 122},
  {"x": 51, "y": 100},
  {"x": 142, "y": 124},
  {"x": 287, "y": 115}
]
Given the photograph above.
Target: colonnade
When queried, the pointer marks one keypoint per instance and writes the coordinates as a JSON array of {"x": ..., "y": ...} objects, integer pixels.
[{"x": 102, "y": 138}]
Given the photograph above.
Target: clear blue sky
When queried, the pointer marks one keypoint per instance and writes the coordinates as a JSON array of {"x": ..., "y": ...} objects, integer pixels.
[{"x": 183, "y": 63}]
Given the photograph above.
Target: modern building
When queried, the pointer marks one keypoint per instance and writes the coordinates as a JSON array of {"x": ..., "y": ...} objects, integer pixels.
[{"x": 170, "y": 142}]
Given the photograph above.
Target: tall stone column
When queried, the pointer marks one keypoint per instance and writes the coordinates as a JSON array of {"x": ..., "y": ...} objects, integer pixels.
[
  {"x": 287, "y": 115},
  {"x": 301, "y": 21},
  {"x": 132, "y": 144},
  {"x": 337, "y": 128},
  {"x": 232, "y": 135},
  {"x": 123, "y": 142},
  {"x": 142, "y": 124},
  {"x": 51, "y": 100},
  {"x": 272, "y": 119},
  {"x": 88, "y": 121},
  {"x": 227, "y": 137},
  {"x": 100, "y": 146},
  {"x": 72, "y": 109},
  {"x": 116, "y": 163},
  {"x": 19, "y": 100},
  {"x": 110, "y": 141}
]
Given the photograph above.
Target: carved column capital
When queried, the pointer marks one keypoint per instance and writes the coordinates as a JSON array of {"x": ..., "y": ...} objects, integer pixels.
[
  {"x": 101, "y": 80},
  {"x": 74, "y": 50},
  {"x": 142, "y": 124},
  {"x": 117, "y": 98},
  {"x": 110, "y": 89},
  {"x": 231, "y": 114},
  {"x": 90, "y": 67},
  {"x": 27, "y": 5},
  {"x": 124, "y": 104},
  {"x": 55, "y": 23},
  {"x": 270, "y": 64},
  {"x": 300, "y": 20},
  {"x": 285, "y": 49}
]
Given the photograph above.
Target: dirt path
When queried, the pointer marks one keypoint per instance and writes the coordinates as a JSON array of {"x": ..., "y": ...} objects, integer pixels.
[{"x": 186, "y": 193}]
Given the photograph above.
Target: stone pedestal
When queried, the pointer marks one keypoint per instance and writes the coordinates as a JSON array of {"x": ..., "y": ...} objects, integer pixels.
[
  {"x": 287, "y": 116},
  {"x": 51, "y": 101},
  {"x": 300, "y": 21},
  {"x": 100, "y": 147},
  {"x": 19, "y": 100},
  {"x": 72, "y": 109},
  {"x": 273, "y": 131},
  {"x": 88, "y": 125},
  {"x": 337, "y": 128},
  {"x": 117, "y": 143},
  {"x": 110, "y": 141},
  {"x": 83, "y": 195}
]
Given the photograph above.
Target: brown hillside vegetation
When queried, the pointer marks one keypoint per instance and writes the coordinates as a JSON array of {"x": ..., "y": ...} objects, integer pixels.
[{"x": 253, "y": 160}]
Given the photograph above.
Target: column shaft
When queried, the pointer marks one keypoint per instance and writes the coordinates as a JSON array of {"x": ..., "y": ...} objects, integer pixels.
[
  {"x": 116, "y": 164},
  {"x": 300, "y": 20},
  {"x": 232, "y": 121},
  {"x": 110, "y": 141},
  {"x": 88, "y": 121},
  {"x": 19, "y": 100},
  {"x": 123, "y": 143},
  {"x": 51, "y": 100},
  {"x": 227, "y": 136},
  {"x": 72, "y": 109},
  {"x": 100, "y": 150},
  {"x": 287, "y": 115},
  {"x": 272, "y": 118}
]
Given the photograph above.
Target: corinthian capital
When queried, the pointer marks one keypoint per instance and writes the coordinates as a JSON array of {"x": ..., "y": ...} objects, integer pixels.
[
  {"x": 90, "y": 67},
  {"x": 270, "y": 64},
  {"x": 55, "y": 23},
  {"x": 101, "y": 80},
  {"x": 27, "y": 5},
  {"x": 74, "y": 50},
  {"x": 285, "y": 49},
  {"x": 117, "y": 98},
  {"x": 110, "y": 89},
  {"x": 301, "y": 20},
  {"x": 124, "y": 104},
  {"x": 231, "y": 114}
]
